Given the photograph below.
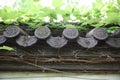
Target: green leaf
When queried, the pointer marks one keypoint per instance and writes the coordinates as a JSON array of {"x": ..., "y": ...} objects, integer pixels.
[
  {"x": 97, "y": 25},
  {"x": 112, "y": 17},
  {"x": 57, "y": 3},
  {"x": 112, "y": 29},
  {"x": 82, "y": 27},
  {"x": 7, "y": 48}
]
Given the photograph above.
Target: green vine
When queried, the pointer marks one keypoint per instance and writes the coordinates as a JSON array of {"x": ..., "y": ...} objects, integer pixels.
[{"x": 33, "y": 14}]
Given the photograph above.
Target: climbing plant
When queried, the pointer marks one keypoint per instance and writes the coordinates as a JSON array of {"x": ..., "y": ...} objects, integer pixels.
[{"x": 33, "y": 14}]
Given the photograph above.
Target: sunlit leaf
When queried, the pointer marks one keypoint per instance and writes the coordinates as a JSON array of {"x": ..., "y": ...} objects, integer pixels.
[{"x": 6, "y": 48}]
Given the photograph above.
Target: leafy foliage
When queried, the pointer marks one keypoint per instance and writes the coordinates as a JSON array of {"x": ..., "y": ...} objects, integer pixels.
[
  {"x": 112, "y": 29},
  {"x": 33, "y": 14}
]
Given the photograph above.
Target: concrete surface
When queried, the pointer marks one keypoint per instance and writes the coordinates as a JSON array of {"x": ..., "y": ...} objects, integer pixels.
[{"x": 55, "y": 76}]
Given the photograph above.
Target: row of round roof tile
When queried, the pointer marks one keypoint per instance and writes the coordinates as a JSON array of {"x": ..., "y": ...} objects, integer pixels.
[{"x": 90, "y": 40}]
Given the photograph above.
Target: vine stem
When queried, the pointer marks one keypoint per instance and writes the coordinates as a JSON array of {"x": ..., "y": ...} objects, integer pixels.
[
  {"x": 49, "y": 69},
  {"x": 42, "y": 67}
]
